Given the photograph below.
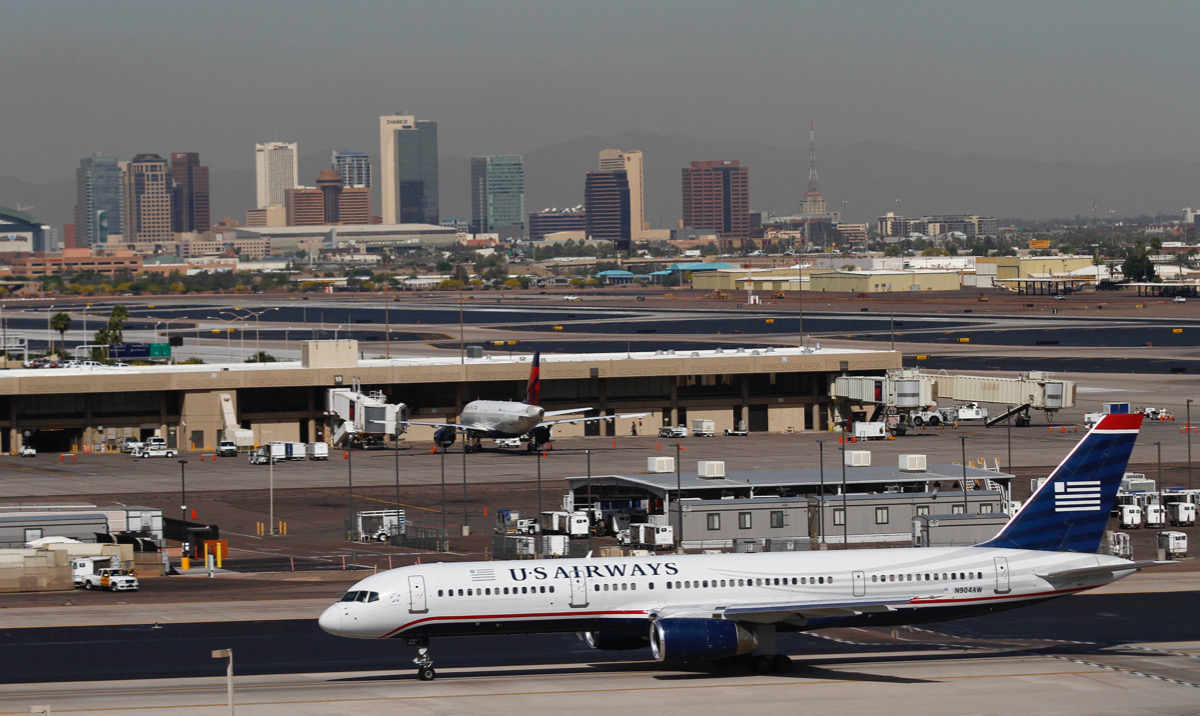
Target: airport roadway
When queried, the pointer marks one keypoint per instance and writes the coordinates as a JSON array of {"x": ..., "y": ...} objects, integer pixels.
[{"x": 1115, "y": 652}]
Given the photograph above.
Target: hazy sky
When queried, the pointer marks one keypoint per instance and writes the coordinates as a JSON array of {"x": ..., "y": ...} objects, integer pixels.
[{"x": 1082, "y": 80}]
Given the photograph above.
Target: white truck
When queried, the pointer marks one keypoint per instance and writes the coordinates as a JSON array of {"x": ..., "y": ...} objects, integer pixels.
[
  {"x": 1181, "y": 514},
  {"x": 271, "y": 452},
  {"x": 380, "y": 525},
  {"x": 1131, "y": 517},
  {"x": 572, "y": 524},
  {"x": 958, "y": 413},
  {"x": 318, "y": 451},
  {"x": 1154, "y": 516},
  {"x": 153, "y": 450},
  {"x": 1173, "y": 543},
  {"x": 643, "y": 535},
  {"x": 739, "y": 430},
  {"x": 28, "y": 451},
  {"x": 111, "y": 578},
  {"x": 703, "y": 428},
  {"x": 673, "y": 431},
  {"x": 866, "y": 430},
  {"x": 295, "y": 451},
  {"x": 83, "y": 566}
]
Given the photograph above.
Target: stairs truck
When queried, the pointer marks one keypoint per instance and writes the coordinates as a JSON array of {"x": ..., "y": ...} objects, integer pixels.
[{"x": 239, "y": 436}]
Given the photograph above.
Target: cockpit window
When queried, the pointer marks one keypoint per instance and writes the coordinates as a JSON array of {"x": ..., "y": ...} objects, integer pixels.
[
  {"x": 373, "y": 597},
  {"x": 361, "y": 596},
  {"x": 350, "y": 597}
]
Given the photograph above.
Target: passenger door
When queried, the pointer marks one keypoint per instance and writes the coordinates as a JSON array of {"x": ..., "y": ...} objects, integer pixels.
[
  {"x": 579, "y": 592},
  {"x": 860, "y": 584},
  {"x": 1002, "y": 584},
  {"x": 416, "y": 595}
]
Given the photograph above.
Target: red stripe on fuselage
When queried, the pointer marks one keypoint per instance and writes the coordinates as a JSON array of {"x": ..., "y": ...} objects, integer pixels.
[
  {"x": 960, "y": 600},
  {"x": 492, "y": 617}
]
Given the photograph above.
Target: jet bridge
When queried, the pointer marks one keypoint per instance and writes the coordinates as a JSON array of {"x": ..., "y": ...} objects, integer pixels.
[
  {"x": 359, "y": 418},
  {"x": 909, "y": 390}
]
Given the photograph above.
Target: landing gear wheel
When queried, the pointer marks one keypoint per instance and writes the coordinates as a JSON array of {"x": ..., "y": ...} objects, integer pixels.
[
  {"x": 763, "y": 664},
  {"x": 426, "y": 673},
  {"x": 782, "y": 663}
]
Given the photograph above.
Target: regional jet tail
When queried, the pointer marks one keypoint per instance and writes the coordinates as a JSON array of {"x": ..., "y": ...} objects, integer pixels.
[
  {"x": 510, "y": 419},
  {"x": 728, "y": 607}
]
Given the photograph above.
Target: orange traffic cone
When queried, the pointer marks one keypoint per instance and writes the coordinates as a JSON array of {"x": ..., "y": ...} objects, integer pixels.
[
  {"x": 346, "y": 455},
  {"x": 433, "y": 449},
  {"x": 658, "y": 446}
]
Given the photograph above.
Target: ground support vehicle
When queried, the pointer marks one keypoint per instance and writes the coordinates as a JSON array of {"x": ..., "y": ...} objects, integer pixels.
[
  {"x": 673, "y": 431},
  {"x": 112, "y": 579},
  {"x": 702, "y": 428},
  {"x": 226, "y": 448},
  {"x": 318, "y": 451},
  {"x": 155, "y": 452},
  {"x": 28, "y": 451}
]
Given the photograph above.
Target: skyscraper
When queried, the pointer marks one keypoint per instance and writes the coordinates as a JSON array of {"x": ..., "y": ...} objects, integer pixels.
[
  {"x": 189, "y": 202},
  {"x": 408, "y": 181},
  {"x": 716, "y": 195},
  {"x": 98, "y": 203},
  {"x": 606, "y": 198},
  {"x": 329, "y": 204},
  {"x": 498, "y": 195},
  {"x": 354, "y": 168},
  {"x": 276, "y": 171},
  {"x": 147, "y": 200},
  {"x": 631, "y": 163}
]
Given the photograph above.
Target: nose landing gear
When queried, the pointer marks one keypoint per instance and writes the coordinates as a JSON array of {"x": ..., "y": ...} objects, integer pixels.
[{"x": 423, "y": 661}]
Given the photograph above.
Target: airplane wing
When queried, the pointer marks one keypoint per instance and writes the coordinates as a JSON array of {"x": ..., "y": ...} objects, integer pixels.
[
  {"x": 1106, "y": 571},
  {"x": 590, "y": 419},
  {"x": 773, "y": 613},
  {"x": 571, "y": 411}
]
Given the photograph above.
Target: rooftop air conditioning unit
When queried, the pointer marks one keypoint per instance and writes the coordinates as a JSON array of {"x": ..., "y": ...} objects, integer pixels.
[
  {"x": 660, "y": 464},
  {"x": 912, "y": 463},
  {"x": 858, "y": 458},
  {"x": 710, "y": 468}
]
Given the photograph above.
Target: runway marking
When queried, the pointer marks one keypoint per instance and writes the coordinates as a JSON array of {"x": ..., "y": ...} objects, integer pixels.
[{"x": 375, "y": 499}]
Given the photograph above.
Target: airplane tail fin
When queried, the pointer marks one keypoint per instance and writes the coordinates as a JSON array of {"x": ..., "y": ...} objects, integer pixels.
[
  {"x": 1070, "y": 510},
  {"x": 534, "y": 386}
]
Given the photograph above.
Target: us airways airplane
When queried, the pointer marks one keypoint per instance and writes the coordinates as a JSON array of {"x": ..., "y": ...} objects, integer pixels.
[
  {"x": 717, "y": 607},
  {"x": 510, "y": 419}
]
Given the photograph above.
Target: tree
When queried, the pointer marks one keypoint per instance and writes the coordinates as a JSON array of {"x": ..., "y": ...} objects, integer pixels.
[
  {"x": 261, "y": 357},
  {"x": 60, "y": 322},
  {"x": 116, "y": 325}
]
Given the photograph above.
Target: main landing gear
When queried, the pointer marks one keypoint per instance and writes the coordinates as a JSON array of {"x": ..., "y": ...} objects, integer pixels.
[{"x": 423, "y": 661}]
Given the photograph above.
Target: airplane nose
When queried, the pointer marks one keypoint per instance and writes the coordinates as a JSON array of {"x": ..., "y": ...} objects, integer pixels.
[{"x": 331, "y": 620}]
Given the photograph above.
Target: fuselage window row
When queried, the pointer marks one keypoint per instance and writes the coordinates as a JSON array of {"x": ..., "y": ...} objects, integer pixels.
[{"x": 490, "y": 592}]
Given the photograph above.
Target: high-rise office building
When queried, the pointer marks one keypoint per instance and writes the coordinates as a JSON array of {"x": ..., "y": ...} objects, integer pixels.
[
  {"x": 606, "y": 200},
  {"x": 631, "y": 163},
  {"x": 98, "y": 203},
  {"x": 551, "y": 221},
  {"x": 276, "y": 171},
  {"x": 354, "y": 168},
  {"x": 147, "y": 191},
  {"x": 716, "y": 195},
  {"x": 328, "y": 204},
  {"x": 498, "y": 196},
  {"x": 189, "y": 202},
  {"x": 408, "y": 182}
]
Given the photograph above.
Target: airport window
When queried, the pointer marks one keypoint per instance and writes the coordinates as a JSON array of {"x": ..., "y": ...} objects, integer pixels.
[
  {"x": 777, "y": 519},
  {"x": 820, "y": 580},
  {"x": 677, "y": 585},
  {"x": 985, "y": 508},
  {"x": 469, "y": 593},
  {"x": 743, "y": 520},
  {"x": 881, "y": 515},
  {"x": 552, "y": 589},
  {"x": 506, "y": 590},
  {"x": 687, "y": 584},
  {"x": 596, "y": 587},
  {"x": 633, "y": 586},
  {"x": 651, "y": 585},
  {"x": 460, "y": 592},
  {"x": 829, "y": 580},
  {"x": 922, "y": 510},
  {"x": 958, "y": 510},
  {"x": 839, "y": 516},
  {"x": 440, "y": 593},
  {"x": 758, "y": 582},
  {"x": 606, "y": 587},
  {"x": 874, "y": 577},
  {"x": 668, "y": 585},
  {"x": 714, "y": 520},
  {"x": 794, "y": 581}
]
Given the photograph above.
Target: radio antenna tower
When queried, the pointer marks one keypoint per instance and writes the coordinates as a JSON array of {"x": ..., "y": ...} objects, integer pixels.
[{"x": 814, "y": 203}]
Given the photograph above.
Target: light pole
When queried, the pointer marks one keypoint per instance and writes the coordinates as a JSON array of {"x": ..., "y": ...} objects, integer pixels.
[
  {"x": 679, "y": 495},
  {"x": 228, "y": 345},
  {"x": 1158, "y": 445},
  {"x": 591, "y": 512},
  {"x": 396, "y": 454},
  {"x": 821, "y": 499},
  {"x": 892, "y": 315},
  {"x": 538, "y": 545},
  {"x": 443, "y": 541},
  {"x": 464, "y": 527},
  {"x": 845, "y": 509},
  {"x": 256, "y": 314},
  {"x": 49, "y": 336},
  {"x": 350, "y": 485},
  {"x": 271, "y": 489},
  {"x": 963, "y": 438},
  {"x": 167, "y": 333},
  {"x": 183, "y": 534},
  {"x": 1188, "y": 429}
]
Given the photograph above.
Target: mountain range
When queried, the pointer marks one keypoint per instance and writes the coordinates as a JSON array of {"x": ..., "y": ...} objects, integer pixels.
[{"x": 865, "y": 179}]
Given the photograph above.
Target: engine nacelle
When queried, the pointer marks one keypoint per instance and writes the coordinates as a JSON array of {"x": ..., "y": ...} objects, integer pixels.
[
  {"x": 699, "y": 639},
  {"x": 540, "y": 436},
  {"x": 444, "y": 437},
  {"x": 614, "y": 641}
]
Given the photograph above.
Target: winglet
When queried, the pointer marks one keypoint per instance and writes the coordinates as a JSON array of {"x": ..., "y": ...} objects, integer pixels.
[{"x": 534, "y": 387}]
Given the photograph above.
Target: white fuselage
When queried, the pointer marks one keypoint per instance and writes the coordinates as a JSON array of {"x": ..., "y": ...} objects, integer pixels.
[
  {"x": 500, "y": 418},
  {"x": 624, "y": 594}
]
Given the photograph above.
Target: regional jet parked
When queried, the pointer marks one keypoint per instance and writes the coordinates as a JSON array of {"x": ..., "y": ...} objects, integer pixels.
[
  {"x": 690, "y": 608},
  {"x": 510, "y": 419}
]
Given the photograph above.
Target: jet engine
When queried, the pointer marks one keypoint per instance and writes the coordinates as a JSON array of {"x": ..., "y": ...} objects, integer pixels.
[
  {"x": 444, "y": 437},
  {"x": 539, "y": 437},
  {"x": 699, "y": 639},
  {"x": 614, "y": 641}
]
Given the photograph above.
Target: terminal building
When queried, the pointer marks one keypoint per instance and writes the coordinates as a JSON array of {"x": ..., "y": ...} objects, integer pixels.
[{"x": 771, "y": 389}]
